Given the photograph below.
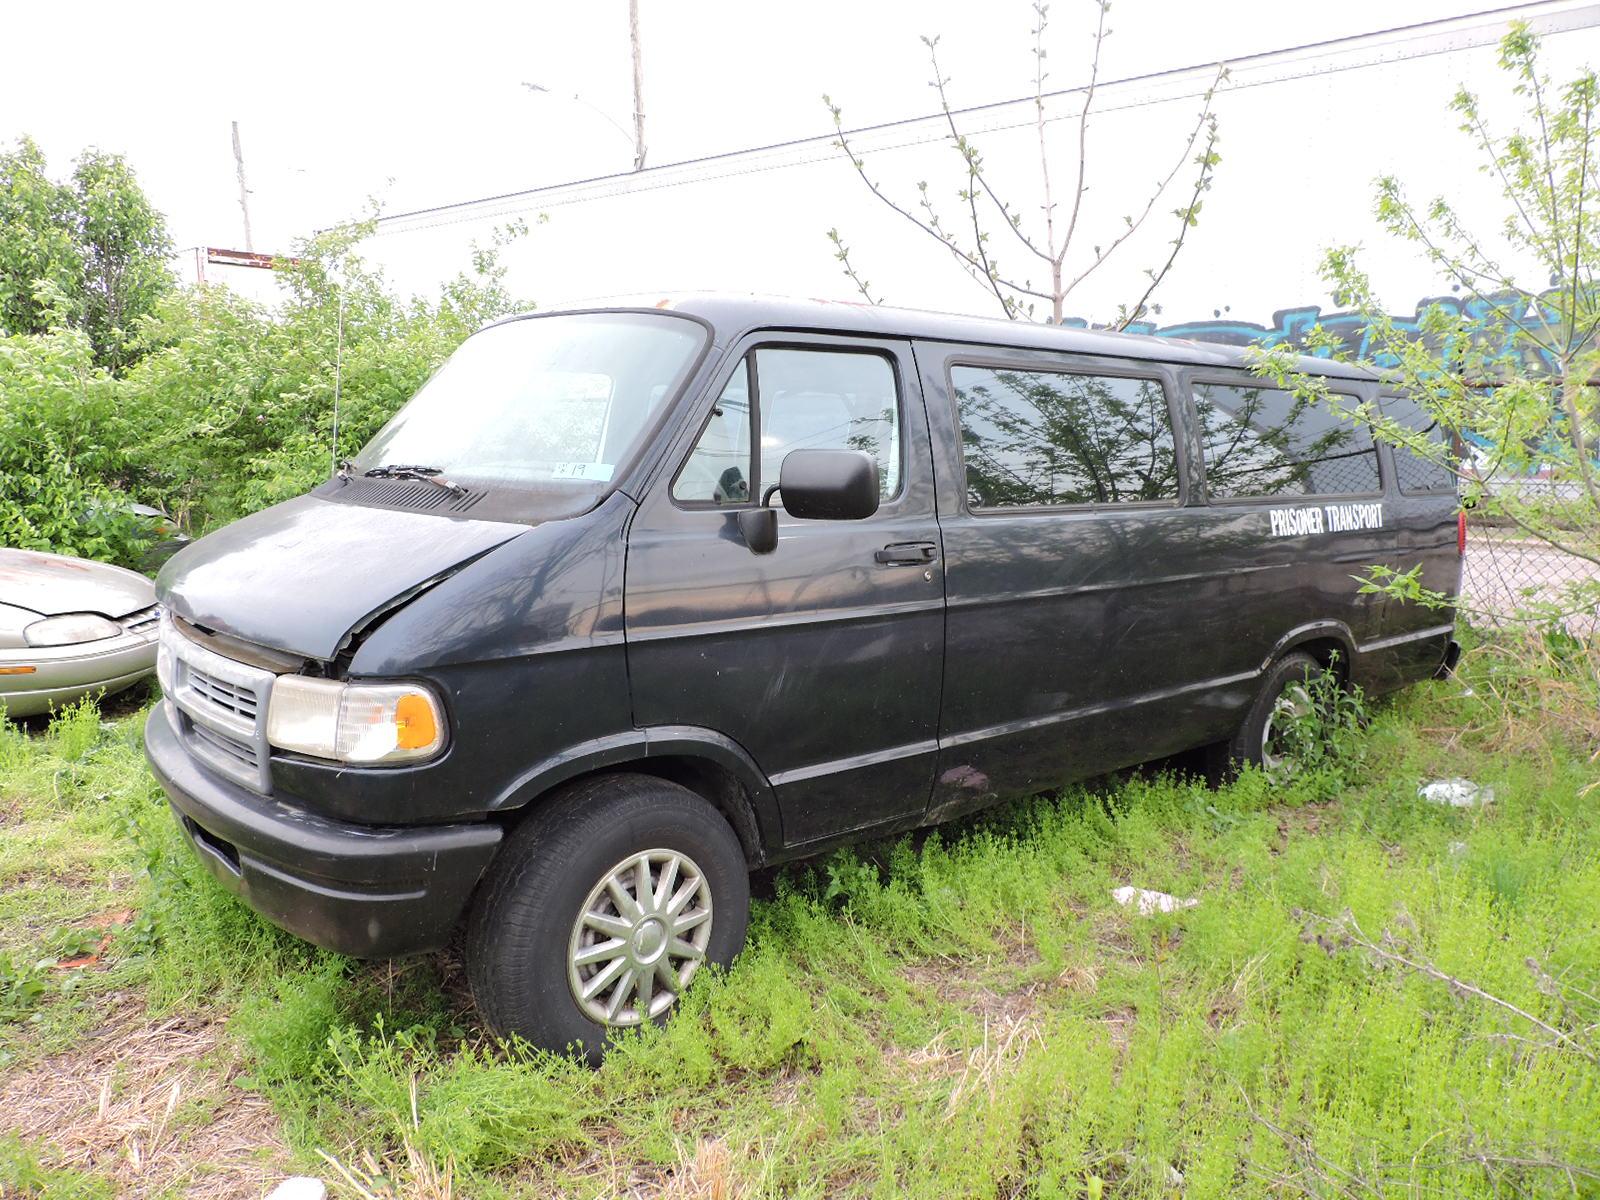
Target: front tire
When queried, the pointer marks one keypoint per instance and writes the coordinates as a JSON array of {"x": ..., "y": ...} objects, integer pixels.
[{"x": 601, "y": 908}]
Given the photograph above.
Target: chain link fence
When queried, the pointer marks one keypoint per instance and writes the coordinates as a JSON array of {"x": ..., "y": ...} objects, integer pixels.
[{"x": 1506, "y": 572}]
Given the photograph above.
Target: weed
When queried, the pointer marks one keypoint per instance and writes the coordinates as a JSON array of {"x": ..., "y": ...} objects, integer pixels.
[
  {"x": 74, "y": 730},
  {"x": 22, "y": 985},
  {"x": 1318, "y": 729},
  {"x": 22, "y": 1175},
  {"x": 1528, "y": 689}
]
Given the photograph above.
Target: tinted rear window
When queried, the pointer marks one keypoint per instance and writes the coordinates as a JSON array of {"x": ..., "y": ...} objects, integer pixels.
[
  {"x": 1049, "y": 438},
  {"x": 1417, "y": 473},
  {"x": 1261, "y": 441}
]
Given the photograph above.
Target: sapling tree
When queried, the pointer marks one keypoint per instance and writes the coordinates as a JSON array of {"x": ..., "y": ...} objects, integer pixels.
[
  {"x": 1507, "y": 378},
  {"x": 1048, "y": 232}
]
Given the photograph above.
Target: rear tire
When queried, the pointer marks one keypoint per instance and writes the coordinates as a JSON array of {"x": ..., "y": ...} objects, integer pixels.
[
  {"x": 599, "y": 910},
  {"x": 1285, "y": 687}
]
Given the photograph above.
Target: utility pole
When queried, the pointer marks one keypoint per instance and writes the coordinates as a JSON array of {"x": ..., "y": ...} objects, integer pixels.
[
  {"x": 638, "y": 89},
  {"x": 244, "y": 192}
]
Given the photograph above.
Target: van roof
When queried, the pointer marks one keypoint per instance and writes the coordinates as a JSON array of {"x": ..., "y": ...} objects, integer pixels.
[{"x": 732, "y": 314}]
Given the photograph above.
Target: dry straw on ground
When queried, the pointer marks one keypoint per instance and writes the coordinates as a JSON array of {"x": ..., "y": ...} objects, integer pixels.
[{"x": 151, "y": 1107}]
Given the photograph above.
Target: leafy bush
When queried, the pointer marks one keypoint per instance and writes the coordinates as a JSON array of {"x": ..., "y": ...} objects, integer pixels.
[
  {"x": 1318, "y": 728},
  {"x": 57, "y": 449},
  {"x": 1509, "y": 374},
  {"x": 230, "y": 406}
]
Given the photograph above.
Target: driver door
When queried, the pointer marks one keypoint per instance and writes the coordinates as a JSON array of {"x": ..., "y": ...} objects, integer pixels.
[{"x": 823, "y": 659}]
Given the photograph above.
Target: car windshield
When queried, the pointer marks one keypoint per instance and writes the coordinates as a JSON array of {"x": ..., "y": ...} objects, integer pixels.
[{"x": 542, "y": 400}]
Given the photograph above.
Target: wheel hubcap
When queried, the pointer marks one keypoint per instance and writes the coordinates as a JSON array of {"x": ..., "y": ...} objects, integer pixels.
[
  {"x": 639, "y": 938},
  {"x": 1293, "y": 703}
]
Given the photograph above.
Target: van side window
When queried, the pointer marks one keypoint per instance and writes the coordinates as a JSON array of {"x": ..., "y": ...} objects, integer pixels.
[
  {"x": 1261, "y": 441},
  {"x": 1045, "y": 438},
  {"x": 804, "y": 399},
  {"x": 1417, "y": 473},
  {"x": 718, "y": 469}
]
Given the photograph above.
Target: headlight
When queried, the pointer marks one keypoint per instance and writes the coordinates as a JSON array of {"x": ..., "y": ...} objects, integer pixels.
[
  {"x": 70, "y": 630},
  {"x": 355, "y": 722}
]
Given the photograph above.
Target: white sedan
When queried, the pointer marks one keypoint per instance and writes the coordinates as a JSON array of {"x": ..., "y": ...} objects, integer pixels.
[{"x": 70, "y": 627}]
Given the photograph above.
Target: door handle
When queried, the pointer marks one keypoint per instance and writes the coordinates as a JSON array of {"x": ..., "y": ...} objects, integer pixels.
[{"x": 906, "y": 554}]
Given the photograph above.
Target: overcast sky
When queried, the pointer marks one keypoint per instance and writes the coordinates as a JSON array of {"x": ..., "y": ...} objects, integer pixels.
[{"x": 417, "y": 105}]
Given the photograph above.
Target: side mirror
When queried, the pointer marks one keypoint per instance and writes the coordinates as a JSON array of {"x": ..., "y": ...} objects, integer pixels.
[
  {"x": 829, "y": 485},
  {"x": 817, "y": 485}
]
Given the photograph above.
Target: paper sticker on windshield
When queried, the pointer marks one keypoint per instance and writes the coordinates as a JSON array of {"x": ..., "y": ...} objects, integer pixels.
[
  {"x": 582, "y": 470},
  {"x": 1326, "y": 518}
]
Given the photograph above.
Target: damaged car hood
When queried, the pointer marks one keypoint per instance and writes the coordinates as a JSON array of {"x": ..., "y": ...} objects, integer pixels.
[
  {"x": 53, "y": 584},
  {"x": 307, "y": 575}
]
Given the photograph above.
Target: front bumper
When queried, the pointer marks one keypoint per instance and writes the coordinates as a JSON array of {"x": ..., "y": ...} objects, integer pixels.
[
  {"x": 62, "y": 674},
  {"x": 366, "y": 891}
]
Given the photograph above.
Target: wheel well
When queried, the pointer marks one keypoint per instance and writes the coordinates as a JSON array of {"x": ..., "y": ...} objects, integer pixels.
[
  {"x": 712, "y": 782},
  {"x": 716, "y": 784},
  {"x": 1329, "y": 653}
]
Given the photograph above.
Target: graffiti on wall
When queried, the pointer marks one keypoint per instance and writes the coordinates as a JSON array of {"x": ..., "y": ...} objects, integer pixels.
[{"x": 1492, "y": 316}]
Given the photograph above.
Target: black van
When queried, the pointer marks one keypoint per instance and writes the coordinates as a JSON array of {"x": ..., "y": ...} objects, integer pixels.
[{"x": 631, "y": 599}]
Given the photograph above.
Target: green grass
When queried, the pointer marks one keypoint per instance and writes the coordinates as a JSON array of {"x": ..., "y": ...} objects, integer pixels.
[{"x": 964, "y": 1015}]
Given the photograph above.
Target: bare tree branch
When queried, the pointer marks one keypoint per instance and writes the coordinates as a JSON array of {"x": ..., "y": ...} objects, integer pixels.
[
  {"x": 842, "y": 253},
  {"x": 1187, "y": 218},
  {"x": 972, "y": 159},
  {"x": 1083, "y": 140},
  {"x": 936, "y": 231},
  {"x": 969, "y": 155},
  {"x": 1040, "y": 11},
  {"x": 1133, "y": 225},
  {"x": 1347, "y": 931},
  {"x": 976, "y": 256}
]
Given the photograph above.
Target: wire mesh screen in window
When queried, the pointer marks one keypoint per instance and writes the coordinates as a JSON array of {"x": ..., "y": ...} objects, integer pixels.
[
  {"x": 1261, "y": 441},
  {"x": 1418, "y": 474}
]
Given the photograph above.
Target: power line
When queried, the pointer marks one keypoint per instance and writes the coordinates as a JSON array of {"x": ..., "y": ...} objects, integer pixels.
[{"x": 1400, "y": 43}]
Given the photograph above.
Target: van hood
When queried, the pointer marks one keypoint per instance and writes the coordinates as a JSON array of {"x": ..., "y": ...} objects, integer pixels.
[
  {"x": 52, "y": 584},
  {"x": 305, "y": 576}
]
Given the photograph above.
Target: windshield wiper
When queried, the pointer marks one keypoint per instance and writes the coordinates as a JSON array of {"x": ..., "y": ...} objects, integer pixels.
[{"x": 422, "y": 474}]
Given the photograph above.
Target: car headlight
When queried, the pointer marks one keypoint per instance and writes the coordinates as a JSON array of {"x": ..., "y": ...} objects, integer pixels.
[
  {"x": 355, "y": 722},
  {"x": 71, "y": 629}
]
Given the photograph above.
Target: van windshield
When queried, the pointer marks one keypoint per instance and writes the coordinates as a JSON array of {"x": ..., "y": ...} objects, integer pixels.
[{"x": 559, "y": 400}]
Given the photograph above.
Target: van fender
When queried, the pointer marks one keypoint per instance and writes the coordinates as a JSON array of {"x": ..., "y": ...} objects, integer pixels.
[
  {"x": 1315, "y": 631},
  {"x": 638, "y": 746}
]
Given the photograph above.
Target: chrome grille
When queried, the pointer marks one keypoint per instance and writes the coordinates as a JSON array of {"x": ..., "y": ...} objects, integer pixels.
[
  {"x": 241, "y": 701},
  {"x": 143, "y": 621},
  {"x": 223, "y": 751},
  {"x": 219, "y": 707}
]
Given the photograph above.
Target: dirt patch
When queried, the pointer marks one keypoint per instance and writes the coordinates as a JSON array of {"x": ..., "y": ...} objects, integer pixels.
[
  {"x": 151, "y": 1107},
  {"x": 1303, "y": 820},
  {"x": 968, "y": 988}
]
